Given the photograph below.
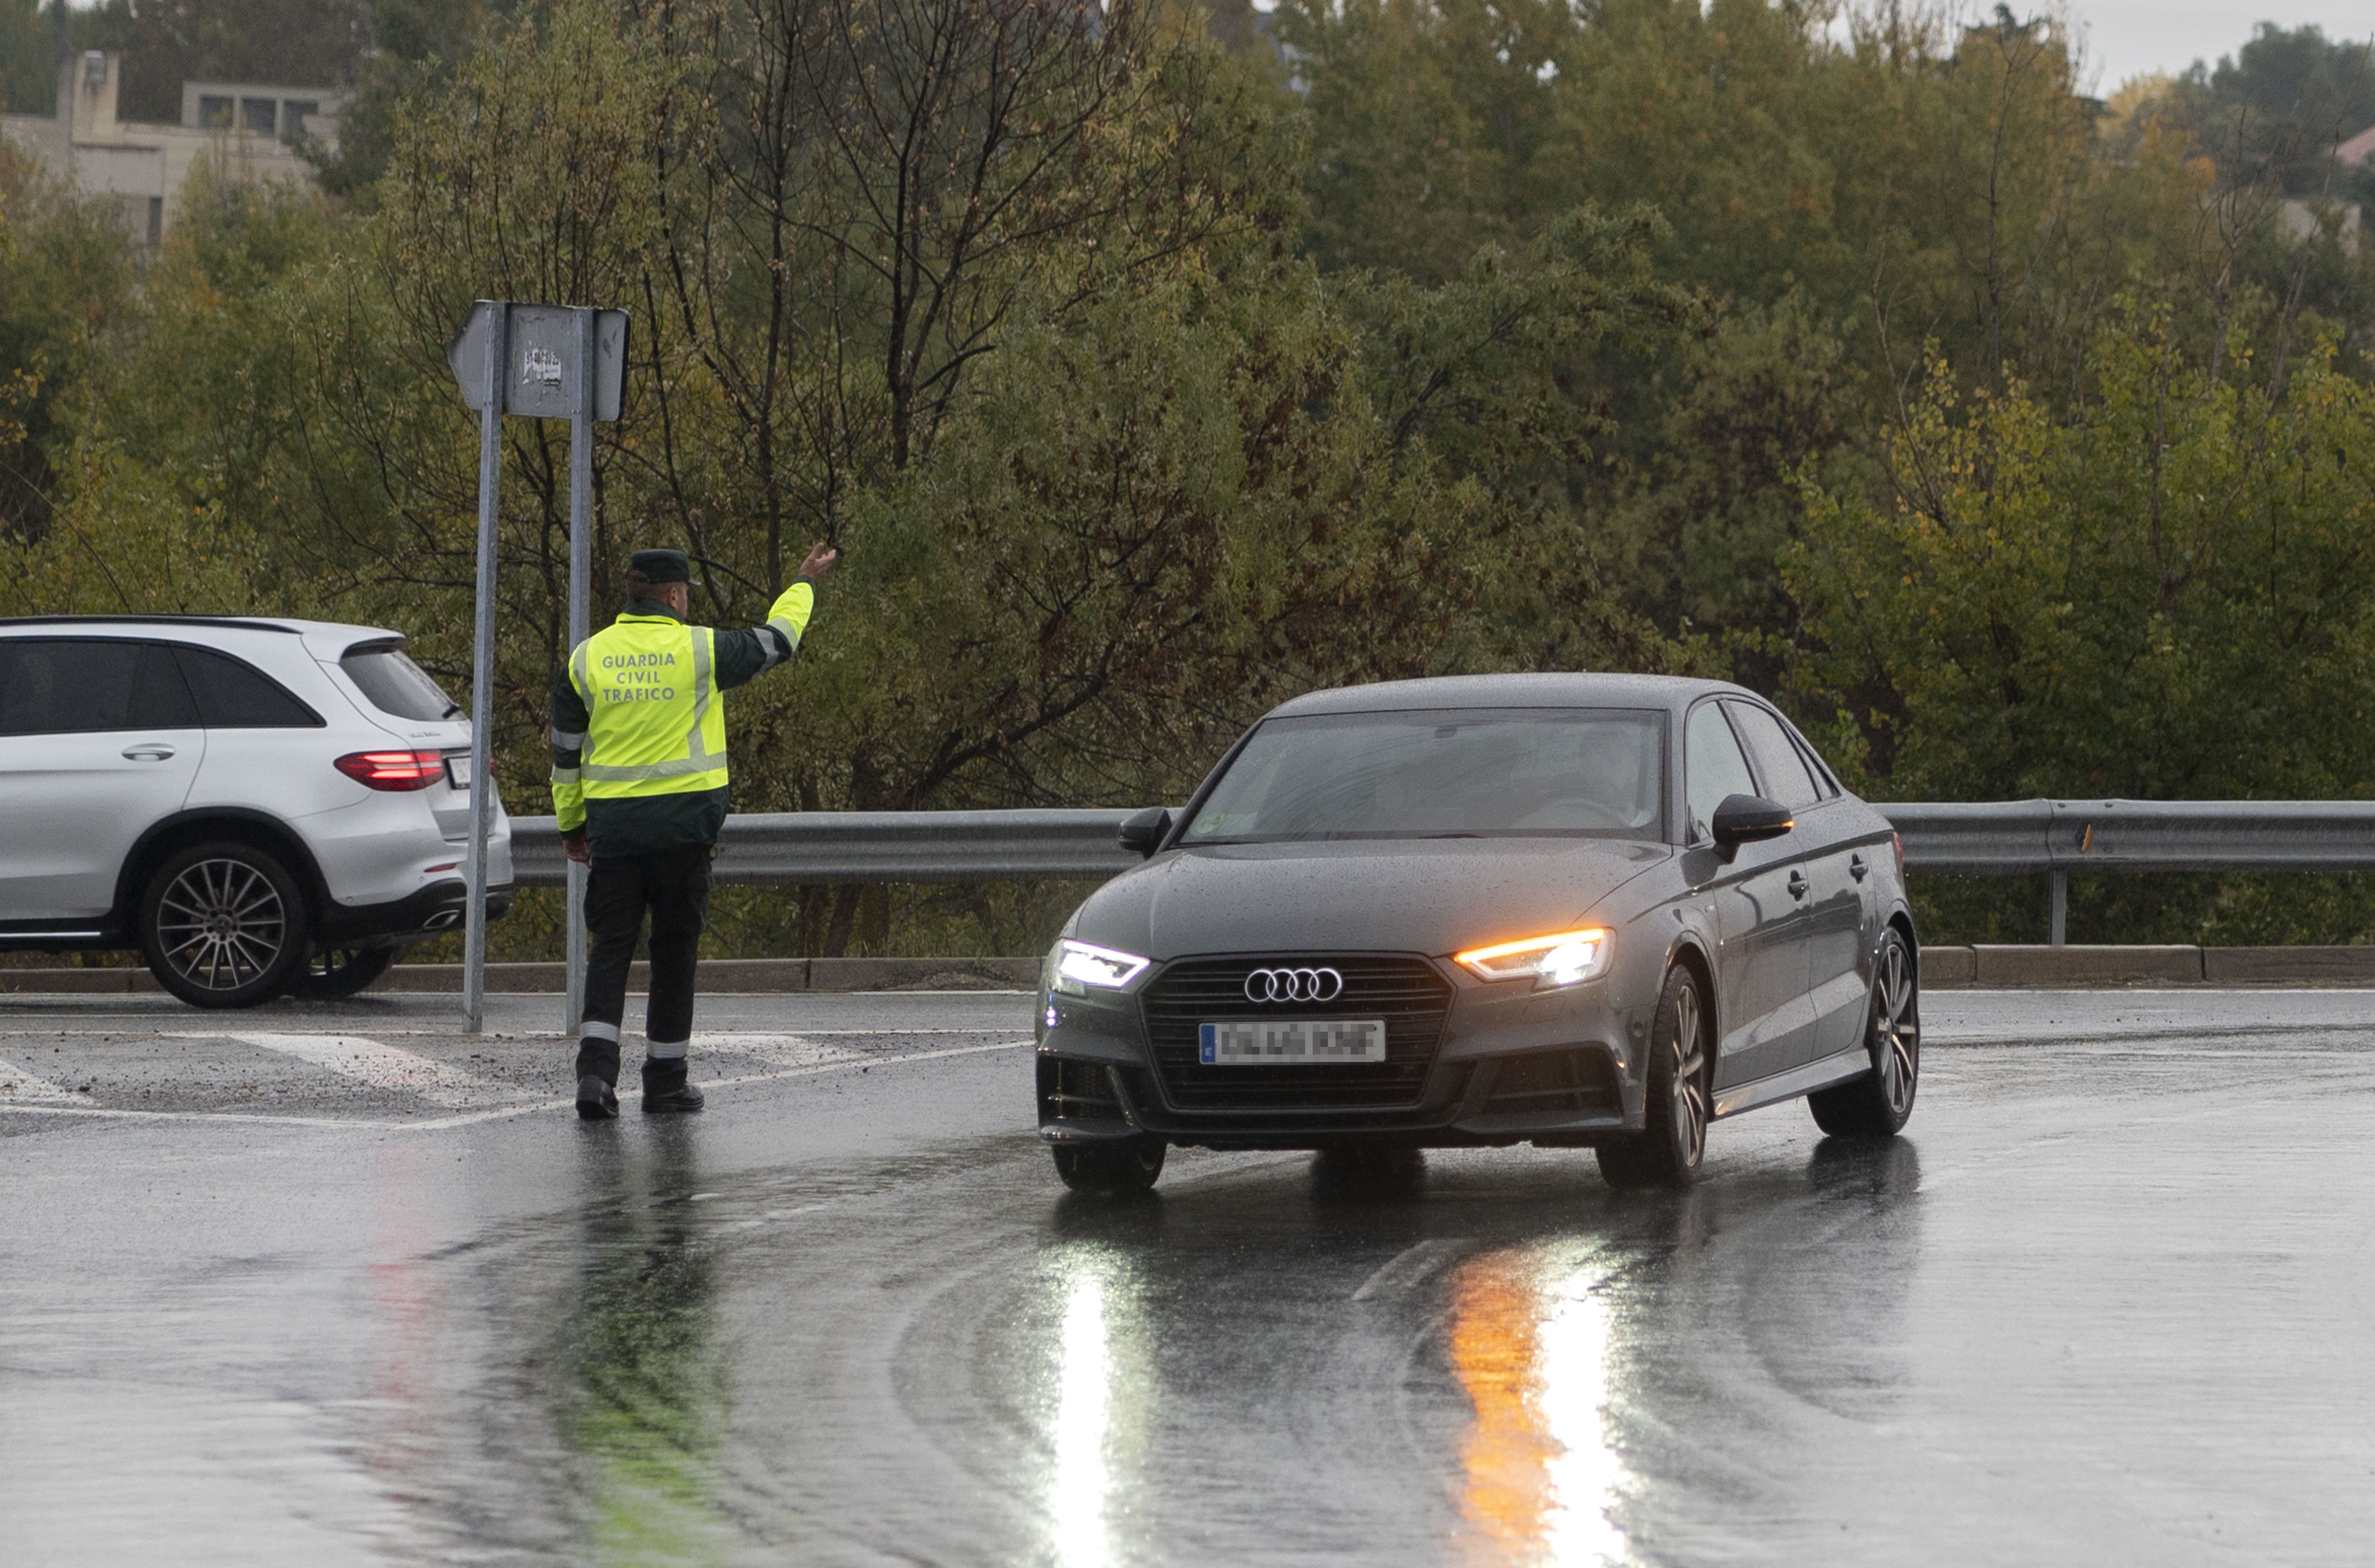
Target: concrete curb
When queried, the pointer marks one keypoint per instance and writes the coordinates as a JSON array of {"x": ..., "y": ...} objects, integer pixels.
[
  {"x": 717, "y": 975},
  {"x": 1942, "y": 969},
  {"x": 2048, "y": 968}
]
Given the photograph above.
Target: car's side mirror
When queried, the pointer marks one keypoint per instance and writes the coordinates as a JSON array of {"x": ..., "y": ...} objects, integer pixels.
[
  {"x": 1745, "y": 819},
  {"x": 1144, "y": 831}
]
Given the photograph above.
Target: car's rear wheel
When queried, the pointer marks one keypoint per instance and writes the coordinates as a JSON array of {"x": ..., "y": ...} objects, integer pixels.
[
  {"x": 1672, "y": 1140},
  {"x": 1128, "y": 1166},
  {"x": 1879, "y": 1103},
  {"x": 223, "y": 925},
  {"x": 331, "y": 973}
]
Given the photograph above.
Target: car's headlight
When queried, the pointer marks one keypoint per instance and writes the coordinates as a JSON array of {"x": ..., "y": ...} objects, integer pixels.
[
  {"x": 1083, "y": 966},
  {"x": 1563, "y": 957}
]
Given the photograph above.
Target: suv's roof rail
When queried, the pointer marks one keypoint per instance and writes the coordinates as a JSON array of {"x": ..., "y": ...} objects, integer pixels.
[{"x": 243, "y": 623}]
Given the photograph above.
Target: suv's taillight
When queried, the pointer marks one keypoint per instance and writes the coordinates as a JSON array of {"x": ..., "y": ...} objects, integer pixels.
[
  {"x": 394, "y": 770},
  {"x": 1897, "y": 841}
]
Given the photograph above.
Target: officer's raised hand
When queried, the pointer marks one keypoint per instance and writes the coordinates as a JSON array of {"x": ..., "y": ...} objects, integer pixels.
[{"x": 819, "y": 561}]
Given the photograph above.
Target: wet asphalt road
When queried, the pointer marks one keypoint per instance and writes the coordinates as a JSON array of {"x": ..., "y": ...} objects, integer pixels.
[{"x": 341, "y": 1286}]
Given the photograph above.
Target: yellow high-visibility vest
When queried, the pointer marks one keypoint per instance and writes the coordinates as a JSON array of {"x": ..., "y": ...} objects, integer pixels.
[{"x": 656, "y": 720}]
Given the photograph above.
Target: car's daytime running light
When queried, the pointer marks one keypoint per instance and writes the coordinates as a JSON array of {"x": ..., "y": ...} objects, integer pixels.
[
  {"x": 1563, "y": 957},
  {"x": 1081, "y": 967}
]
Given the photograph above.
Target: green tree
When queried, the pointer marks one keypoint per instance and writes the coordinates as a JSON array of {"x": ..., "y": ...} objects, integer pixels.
[
  {"x": 67, "y": 286},
  {"x": 2166, "y": 595},
  {"x": 27, "y": 85}
]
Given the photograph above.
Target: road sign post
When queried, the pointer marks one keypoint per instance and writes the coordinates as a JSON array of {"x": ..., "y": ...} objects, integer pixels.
[
  {"x": 543, "y": 362},
  {"x": 581, "y": 573}
]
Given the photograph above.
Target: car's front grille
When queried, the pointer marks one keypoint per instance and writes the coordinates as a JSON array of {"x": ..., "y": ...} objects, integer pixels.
[{"x": 1406, "y": 992}]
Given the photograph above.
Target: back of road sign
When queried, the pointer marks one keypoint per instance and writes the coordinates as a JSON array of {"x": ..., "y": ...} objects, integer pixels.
[{"x": 537, "y": 370}]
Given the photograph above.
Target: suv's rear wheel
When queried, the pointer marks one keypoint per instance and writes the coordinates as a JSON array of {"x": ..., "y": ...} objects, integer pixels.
[
  {"x": 334, "y": 972},
  {"x": 1667, "y": 1150},
  {"x": 223, "y": 925}
]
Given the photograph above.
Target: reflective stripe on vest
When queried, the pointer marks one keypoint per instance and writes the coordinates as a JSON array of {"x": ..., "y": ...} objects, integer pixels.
[{"x": 656, "y": 721}]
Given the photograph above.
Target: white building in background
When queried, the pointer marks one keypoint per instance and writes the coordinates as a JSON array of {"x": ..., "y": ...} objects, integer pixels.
[{"x": 247, "y": 130}]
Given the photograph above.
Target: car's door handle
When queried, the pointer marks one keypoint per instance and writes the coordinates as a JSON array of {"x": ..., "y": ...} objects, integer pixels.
[
  {"x": 1856, "y": 869},
  {"x": 148, "y": 752},
  {"x": 1797, "y": 884}
]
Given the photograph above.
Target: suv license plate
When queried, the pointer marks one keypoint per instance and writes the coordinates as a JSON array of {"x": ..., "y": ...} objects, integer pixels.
[
  {"x": 1291, "y": 1043},
  {"x": 458, "y": 770}
]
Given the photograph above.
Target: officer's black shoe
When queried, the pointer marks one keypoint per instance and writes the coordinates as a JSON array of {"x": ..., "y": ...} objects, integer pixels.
[
  {"x": 596, "y": 1100},
  {"x": 666, "y": 1089}
]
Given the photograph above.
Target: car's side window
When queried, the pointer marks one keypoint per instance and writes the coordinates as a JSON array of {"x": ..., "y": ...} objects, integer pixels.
[
  {"x": 1823, "y": 780},
  {"x": 89, "y": 685},
  {"x": 233, "y": 694},
  {"x": 67, "y": 686},
  {"x": 1777, "y": 763},
  {"x": 1712, "y": 768},
  {"x": 160, "y": 697}
]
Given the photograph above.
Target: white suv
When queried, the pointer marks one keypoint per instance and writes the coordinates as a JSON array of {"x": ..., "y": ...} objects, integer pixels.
[{"x": 259, "y": 806}]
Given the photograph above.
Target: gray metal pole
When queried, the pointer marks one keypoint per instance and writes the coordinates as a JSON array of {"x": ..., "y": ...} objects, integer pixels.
[
  {"x": 581, "y": 577},
  {"x": 2058, "y": 918},
  {"x": 482, "y": 670}
]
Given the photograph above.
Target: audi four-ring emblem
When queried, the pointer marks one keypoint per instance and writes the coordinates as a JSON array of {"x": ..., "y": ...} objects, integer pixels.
[{"x": 1293, "y": 985}]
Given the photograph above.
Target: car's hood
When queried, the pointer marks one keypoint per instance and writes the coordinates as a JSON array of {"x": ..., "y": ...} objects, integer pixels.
[{"x": 1435, "y": 896}]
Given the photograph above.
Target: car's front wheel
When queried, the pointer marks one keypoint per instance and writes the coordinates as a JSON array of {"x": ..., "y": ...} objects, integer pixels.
[
  {"x": 1672, "y": 1140},
  {"x": 1127, "y": 1166},
  {"x": 223, "y": 925},
  {"x": 1877, "y": 1104}
]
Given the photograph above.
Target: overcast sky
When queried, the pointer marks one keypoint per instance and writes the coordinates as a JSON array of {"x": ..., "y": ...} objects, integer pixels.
[{"x": 2127, "y": 38}]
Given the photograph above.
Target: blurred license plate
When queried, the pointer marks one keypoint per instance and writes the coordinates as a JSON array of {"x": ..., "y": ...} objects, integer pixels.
[
  {"x": 457, "y": 769},
  {"x": 1286, "y": 1042}
]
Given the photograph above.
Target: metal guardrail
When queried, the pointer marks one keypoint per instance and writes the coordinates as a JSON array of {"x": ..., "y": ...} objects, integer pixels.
[
  {"x": 2006, "y": 838},
  {"x": 783, "y": 847},
  {"x": 2011, "y": 838}
]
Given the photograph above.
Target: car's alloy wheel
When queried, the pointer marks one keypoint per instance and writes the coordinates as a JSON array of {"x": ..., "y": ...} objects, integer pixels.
[
  {"x": 331, "y": 973},
  {"x": 1667, "y": 1149},
  {"x": 1125, "y": 1166},
  {"x": 223, "y": 925},
  {"x": 1879, "y": 1103}
]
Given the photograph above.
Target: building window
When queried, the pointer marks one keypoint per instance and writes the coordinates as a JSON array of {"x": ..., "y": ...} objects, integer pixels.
[
  {"x": 156, "y": 219},
  {"x": 214, "y": 113},
  {"x": 294, "y": 112},
  {"x": 261, "y": 116}
]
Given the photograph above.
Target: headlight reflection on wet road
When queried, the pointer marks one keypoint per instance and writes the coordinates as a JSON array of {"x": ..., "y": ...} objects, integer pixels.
[
  {"x": 1076, "y": 1492},
  {"x": 1086, "y": 1417},
  {"x": 1528, "y": 1345}
]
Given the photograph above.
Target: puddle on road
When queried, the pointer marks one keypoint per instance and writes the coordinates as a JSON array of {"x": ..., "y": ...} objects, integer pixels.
[{"x": 945, "y": 1358}]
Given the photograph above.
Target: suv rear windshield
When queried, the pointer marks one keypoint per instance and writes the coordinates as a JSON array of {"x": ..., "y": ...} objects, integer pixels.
[
  {"x": 1470, "y": 772},
  {"x": 396, "y": 686}
]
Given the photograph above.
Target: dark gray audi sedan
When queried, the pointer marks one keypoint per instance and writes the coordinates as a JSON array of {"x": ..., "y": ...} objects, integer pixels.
[{"x": 1570, "y": 910}]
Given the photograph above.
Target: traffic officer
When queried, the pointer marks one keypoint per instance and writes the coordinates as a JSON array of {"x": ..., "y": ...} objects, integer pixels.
[{"x": 639, "y": 787}]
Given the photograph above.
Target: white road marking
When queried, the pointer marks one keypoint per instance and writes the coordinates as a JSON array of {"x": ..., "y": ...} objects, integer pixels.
[
  {"x": 440, "y": 1123},
  {"x": 368, "y": 1061},
  {"x": 17, "y": 1085},
  {"x": 1408, "y": 1268}
]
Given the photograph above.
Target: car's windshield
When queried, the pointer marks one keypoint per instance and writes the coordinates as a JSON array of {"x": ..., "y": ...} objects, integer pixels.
[{"x": 1442, "y": 772}]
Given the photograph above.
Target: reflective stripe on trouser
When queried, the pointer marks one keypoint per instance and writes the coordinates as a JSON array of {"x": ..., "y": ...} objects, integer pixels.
[
  {"x": 656, "y": 721},
  {"x": 673, "y": 888}
]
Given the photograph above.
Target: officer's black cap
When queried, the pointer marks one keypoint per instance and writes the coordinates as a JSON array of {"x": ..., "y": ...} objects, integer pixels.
[{"x": 660, "y": 566}]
